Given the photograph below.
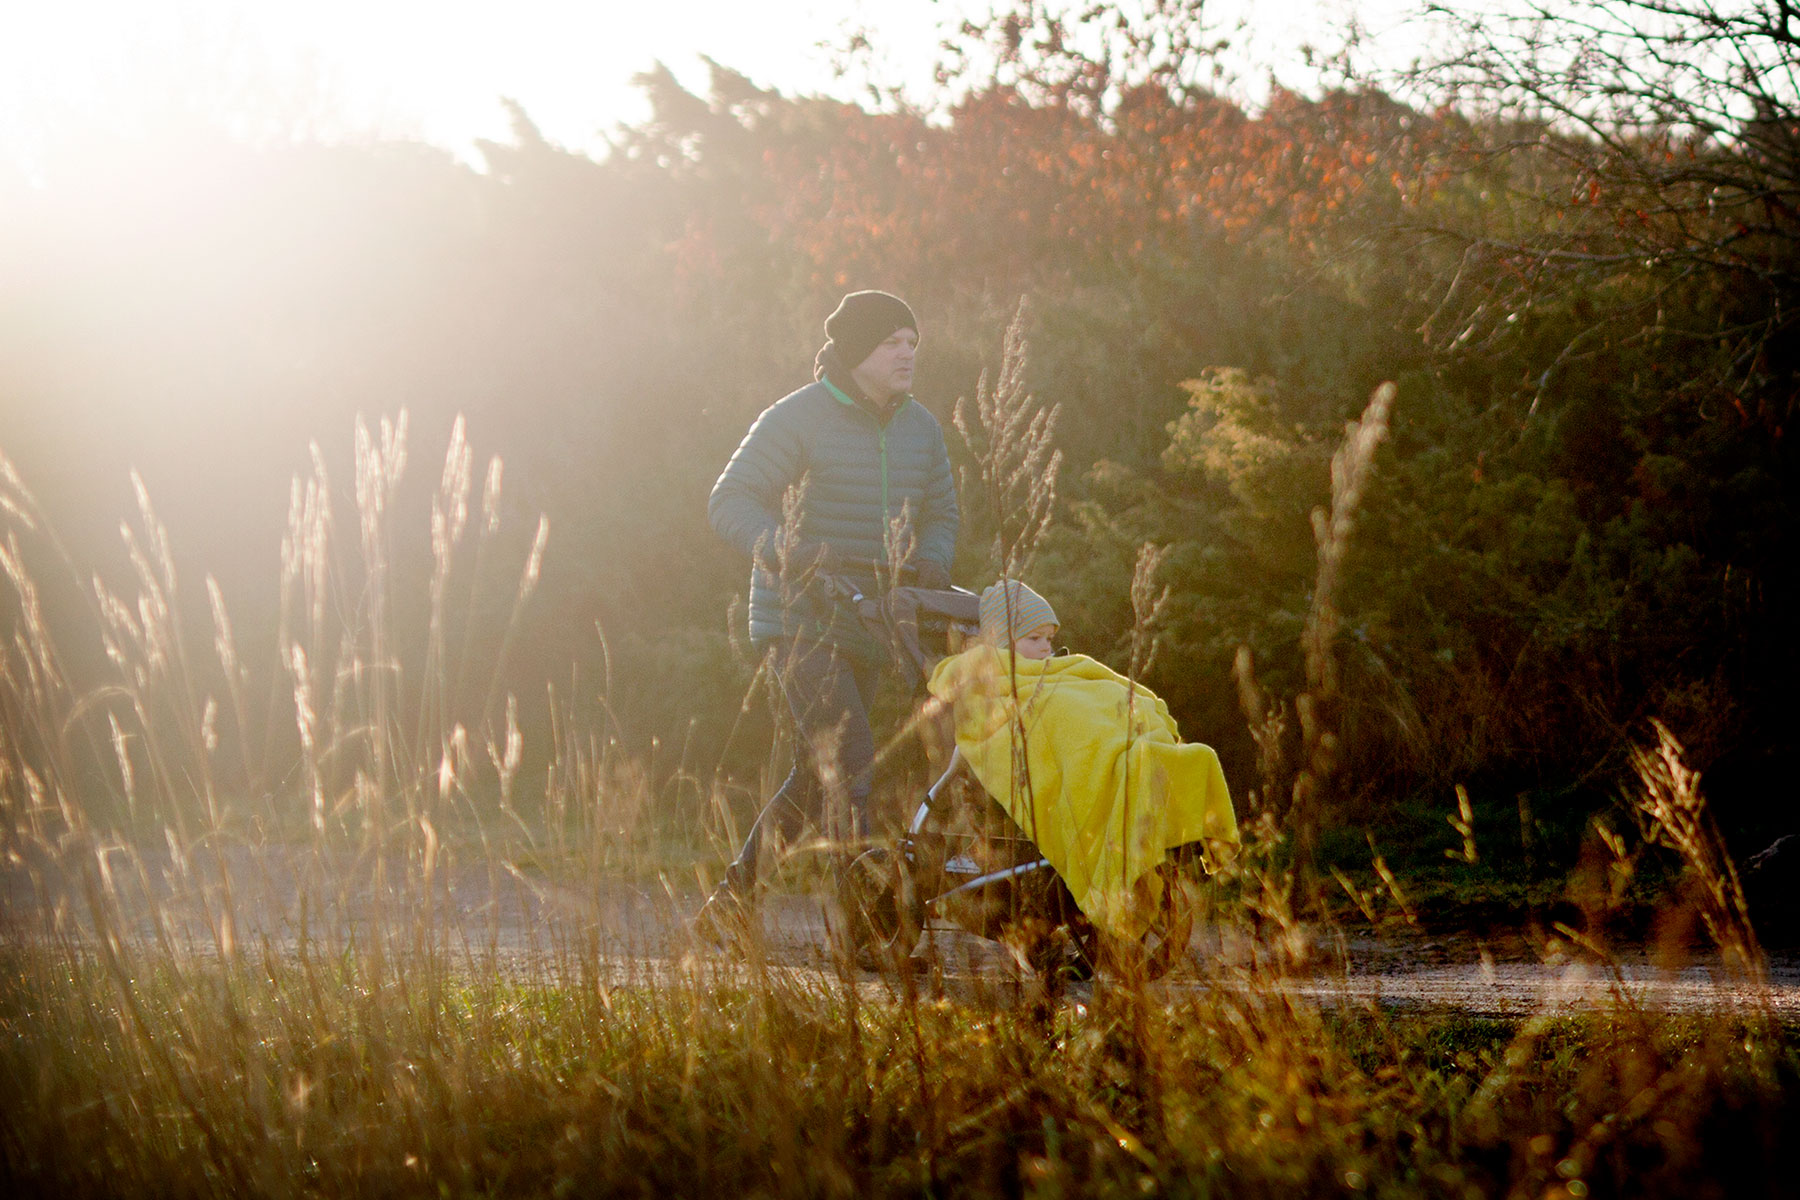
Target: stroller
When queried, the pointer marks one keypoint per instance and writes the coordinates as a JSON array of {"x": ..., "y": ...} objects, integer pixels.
[{"x": 960, "y": 857}]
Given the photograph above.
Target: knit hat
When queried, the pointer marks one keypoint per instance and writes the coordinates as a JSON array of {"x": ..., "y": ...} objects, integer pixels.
[
  {"x": 1029, "y": 610},
  {"x": 863, "y": 321}
]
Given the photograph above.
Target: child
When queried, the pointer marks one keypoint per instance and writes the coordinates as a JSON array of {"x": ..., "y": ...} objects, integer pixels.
[
  {"x": 1016, "y": 607},
  {"x": 1087, "y": 762}
]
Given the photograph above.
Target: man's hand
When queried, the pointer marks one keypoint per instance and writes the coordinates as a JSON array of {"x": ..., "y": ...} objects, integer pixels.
[
  {"x": 814, "y": 558},
  {"x": 928, "y": 574}
]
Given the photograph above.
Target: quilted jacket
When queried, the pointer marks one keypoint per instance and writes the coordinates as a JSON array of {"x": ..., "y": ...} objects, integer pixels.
[{"x": 857, "y": 477}]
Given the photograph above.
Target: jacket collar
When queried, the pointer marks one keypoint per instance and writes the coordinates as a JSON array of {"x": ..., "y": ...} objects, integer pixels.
[{"x": 851, "y": 396}]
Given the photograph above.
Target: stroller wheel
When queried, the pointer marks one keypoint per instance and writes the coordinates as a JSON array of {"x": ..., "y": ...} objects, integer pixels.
[
  {"x": 880, "y": 911},
  {"x": 1057, "y": 964},
  {"x": 1167, "y": 940},
  {"x": 1162, "y": 946}
]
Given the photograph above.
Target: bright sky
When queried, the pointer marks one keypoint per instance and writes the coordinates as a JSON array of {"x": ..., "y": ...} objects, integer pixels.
[{"x": 437, "y": 69}]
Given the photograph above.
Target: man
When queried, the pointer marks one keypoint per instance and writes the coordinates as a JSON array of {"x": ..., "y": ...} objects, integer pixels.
[{"x": 863, "y": 469}]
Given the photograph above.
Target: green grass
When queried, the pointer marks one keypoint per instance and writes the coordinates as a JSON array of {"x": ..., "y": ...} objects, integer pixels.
[{"x": 275, "y": 1077}]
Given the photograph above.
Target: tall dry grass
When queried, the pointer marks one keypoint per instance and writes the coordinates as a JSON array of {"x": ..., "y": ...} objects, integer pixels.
[
  {"x": 1297, "y": 738},
  {"x": 376, "y": 956}
]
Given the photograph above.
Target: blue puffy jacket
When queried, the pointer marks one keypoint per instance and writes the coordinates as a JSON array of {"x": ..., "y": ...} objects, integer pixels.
[{"x": 859, "y": 474}]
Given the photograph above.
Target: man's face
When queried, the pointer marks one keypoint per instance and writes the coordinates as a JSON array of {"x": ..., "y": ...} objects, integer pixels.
[{"x": 888, "y": 371}]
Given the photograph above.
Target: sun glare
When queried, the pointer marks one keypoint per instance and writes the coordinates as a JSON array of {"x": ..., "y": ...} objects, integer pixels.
[
  {"x": 330, "y": 69},
  {"x": 397, "y": 68}
]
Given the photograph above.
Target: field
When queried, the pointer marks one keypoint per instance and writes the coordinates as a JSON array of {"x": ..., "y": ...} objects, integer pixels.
[
  {"x": 408, "y": 969},
  {"x": 489, "y": 1019},
  {"x": 378, "y": 701}
]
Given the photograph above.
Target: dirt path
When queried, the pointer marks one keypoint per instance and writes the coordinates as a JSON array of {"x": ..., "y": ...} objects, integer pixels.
[{"x": 514, "y": 920}]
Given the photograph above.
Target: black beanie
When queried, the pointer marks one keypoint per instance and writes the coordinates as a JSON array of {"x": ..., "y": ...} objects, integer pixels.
[{"x": 863, "y": 321}]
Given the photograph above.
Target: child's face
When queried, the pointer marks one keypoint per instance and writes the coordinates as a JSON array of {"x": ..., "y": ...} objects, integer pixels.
[{"x": 1036, "y": 644}]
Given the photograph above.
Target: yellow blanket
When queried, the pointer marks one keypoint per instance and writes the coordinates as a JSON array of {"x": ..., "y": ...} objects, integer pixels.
[{"x": 1090, "y": 766}]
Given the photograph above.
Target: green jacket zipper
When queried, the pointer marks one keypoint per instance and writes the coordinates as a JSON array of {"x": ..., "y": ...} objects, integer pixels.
[{"x": 887, "y": 524}]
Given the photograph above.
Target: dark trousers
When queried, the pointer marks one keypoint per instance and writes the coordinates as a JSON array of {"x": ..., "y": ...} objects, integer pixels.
[{"x": 829, "y": 693}]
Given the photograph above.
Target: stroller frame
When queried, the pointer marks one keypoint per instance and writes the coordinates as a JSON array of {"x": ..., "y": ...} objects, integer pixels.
[{"x": 990, "y": 879}]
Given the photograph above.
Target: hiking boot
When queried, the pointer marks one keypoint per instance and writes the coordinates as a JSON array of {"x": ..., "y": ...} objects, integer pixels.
[{"x": 726, "y": 920}]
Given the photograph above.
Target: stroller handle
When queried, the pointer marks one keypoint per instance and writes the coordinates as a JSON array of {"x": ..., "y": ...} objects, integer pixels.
[
  {"x": 847, "y": 588},
  {"x": 898, "y": 617}
]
